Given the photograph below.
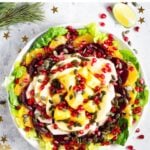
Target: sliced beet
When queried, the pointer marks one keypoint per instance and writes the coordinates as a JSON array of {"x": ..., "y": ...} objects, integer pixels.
[{"x": 122, "y": 69}]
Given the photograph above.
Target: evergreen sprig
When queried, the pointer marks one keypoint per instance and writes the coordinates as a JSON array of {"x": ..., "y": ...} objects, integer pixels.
[{"x": 12, "y": 13}]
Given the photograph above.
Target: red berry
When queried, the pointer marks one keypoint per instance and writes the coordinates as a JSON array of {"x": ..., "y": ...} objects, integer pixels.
[
  {"x": 102, "y": 16},
  {"x": 102, "y": 24},
  {"x": 136, "y": 28},
  {"x": 140, "y": 137}
]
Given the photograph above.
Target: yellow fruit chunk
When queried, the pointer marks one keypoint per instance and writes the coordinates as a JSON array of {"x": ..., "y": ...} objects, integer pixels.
[
  {"x": 117, "y": 54},
  {"x": 33, "y": 54},
  {"x": 28, "y": 122},
  {"x": 23, "y": 81},
  {"x": 80, "y": 118},
  {"x": 132, "y": 95},
  {"x": 132, "y": 76},
  {"x": 46, "y": 138},
  {"x": 61, "y": 114},
  {"x": 57, "y": 42},
  {"x": 83, "y": 38},
  {"x": 124, "y": 14},
  {"x": 90, "y": 106},
  {"x": 56, "y": 99}
]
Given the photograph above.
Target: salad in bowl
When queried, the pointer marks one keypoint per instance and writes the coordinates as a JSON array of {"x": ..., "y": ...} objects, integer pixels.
[{"x": 76, "y": 89}]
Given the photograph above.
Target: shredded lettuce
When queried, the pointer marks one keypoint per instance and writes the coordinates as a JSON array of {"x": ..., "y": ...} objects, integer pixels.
[
  {"x": 129, "y": 57},
  {"x": 19, "y": 71},
  {"x": 13, "y": 99},
  {"x": 93, "y": 30},
  {"x": 143, "y": 97},
  {"x": 122, "y": 138},
  {"x": 44, "y": 39}
]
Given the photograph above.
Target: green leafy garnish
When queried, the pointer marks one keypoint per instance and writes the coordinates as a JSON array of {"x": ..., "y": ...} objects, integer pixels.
[
  {"x": 19, "y": 71},
  {"x": 45, "y": 38},
  {"x": 129, "y": 57},
  {"x": 122, "y": 138},
  {"x": 93, "y": 30},
  {"x": 143, "y": 97}
]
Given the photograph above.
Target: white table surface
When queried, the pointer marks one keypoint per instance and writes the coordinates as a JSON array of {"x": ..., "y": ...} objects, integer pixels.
[{"x": 69, "y": 13}]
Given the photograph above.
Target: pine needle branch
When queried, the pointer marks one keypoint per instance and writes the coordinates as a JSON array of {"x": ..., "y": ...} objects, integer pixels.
[{"x": 20, "y": 13}]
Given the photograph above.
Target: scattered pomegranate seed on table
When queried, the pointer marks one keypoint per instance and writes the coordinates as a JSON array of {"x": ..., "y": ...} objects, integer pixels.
[
  {"x": 136, "y": 28},
  {"x": 109, "y": 8},
  {"x": 140, "y": 137},
  {"x": 130, "y": 147},
  {"x": 137, "y": 130},
  {"x": 125, "y": 38},
  {"x": 103, "y": 16},
  {"x": 102, "y": 24}
]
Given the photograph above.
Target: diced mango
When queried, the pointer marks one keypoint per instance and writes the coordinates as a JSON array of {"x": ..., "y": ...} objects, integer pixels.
[
  {"x": 83, "y": 38},
  {"x": 61, "y": 114},
  {"x": 132, "y": 76},
  {"x": 46, "y": 138},
  {"x": 75, "y": 101},
  {"x": 81, "y": 118},
  {"x": 28, "y": 122},
  {"x": 117, "y": 54},
  {"x": 18, "y": 89},
  {"x": 90, "y": 106},
  {"x": 30, "y": 55},
  {"x": 132, "y": 95},
  {"x": 57, "y": 42},
  {"x": 23, "y": 81},
  {"x": 56, "y": 99}
]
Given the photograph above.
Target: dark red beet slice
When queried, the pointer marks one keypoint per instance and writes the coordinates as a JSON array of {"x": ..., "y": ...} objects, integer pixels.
[{"x": 122, "y": 69}]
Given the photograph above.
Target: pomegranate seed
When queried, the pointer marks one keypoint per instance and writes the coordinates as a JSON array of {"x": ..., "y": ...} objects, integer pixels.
[
  {"x": 106, "y": 143},
  {"x": 39, "y": 55},
  {"x": 108, "y": 67},
  {"x": 140, "y": 137},
  {"x": 25, "y": 80},
  {"x": 109, "y": 8},
  {"x": 80, "y": 108},
  {"x": 55, "y": 126},
  {"x": 48, "y": 135},
  {"x": 110, "y": 37},
  {"x": 27, "y": 129},
  {"x": 85, "y": 100},
  {"x": 137, "y": 130},
  {"x": 30, "y": 113},
  {"x": 42, "y": 87},
  {"x": 113, "y": 109},
  {"x": 137, "y": 89},
  {"x": 129, "y": 147},
  {"x": 102, "y": 16},
  {"x": 81, "y": 132},
  {"x": 40, "y": 62},
  {"x": 104, "y": 70},
  {"x": 30, "y": 101},
  {"x": 17, "y": 81},
  {"x": 125, "y": 38},
  {"x": 109, "y": 119},
  {"x": 97, "y": 88},
  {"x": 131, "y": 68},
  {"x": 136, "y": 28},
  {"x": 136, "y": 101},
  {"x": 102, "y": 76},
  {"x": 17, "y": 107},
  {"x": 137, "y": 110},
  {"x": 87, "y": 126},
  {"x": 141, "y": 81},
  {"x": 93, "y": 61},
  {"x": 102, "y": 24},
  {"x": 32, "y": 92}
]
